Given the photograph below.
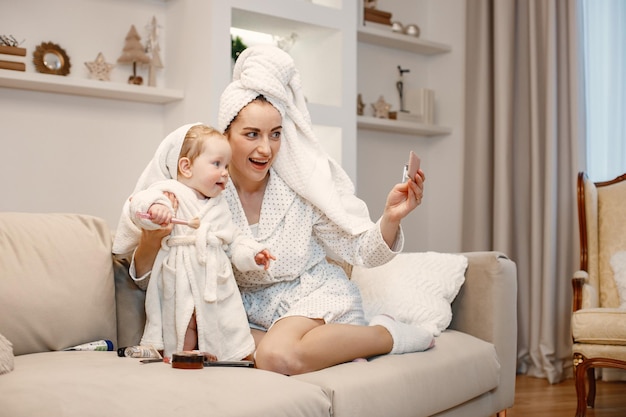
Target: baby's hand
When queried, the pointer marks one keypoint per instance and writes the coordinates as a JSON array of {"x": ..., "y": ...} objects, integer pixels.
[
  {"x": 263, "y": 258},
  {"x": 160, "y": 214}
]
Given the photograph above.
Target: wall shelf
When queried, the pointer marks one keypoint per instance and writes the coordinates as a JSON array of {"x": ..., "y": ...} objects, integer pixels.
[
  {"x": 380, "y": 37},
  {"x": 401, "y": 126},
  {"x": 87, "y": 87},
  {"x": 400, "y": 41}
]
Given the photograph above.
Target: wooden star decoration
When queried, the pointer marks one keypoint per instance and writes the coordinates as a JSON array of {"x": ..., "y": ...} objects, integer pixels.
[
  {"x": 381, "y": 108},
  {"x": 100, "y": 69}
]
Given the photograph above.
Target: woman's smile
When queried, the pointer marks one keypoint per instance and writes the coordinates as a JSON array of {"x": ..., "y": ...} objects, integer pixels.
[{"x": 255, "y": 137}]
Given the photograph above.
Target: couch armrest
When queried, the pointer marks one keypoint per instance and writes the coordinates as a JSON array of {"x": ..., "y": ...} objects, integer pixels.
[{"x": 486, "y": 307}]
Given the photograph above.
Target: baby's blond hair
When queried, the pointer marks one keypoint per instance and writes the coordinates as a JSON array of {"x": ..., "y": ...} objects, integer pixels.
[{"x": 195, "y": 139}]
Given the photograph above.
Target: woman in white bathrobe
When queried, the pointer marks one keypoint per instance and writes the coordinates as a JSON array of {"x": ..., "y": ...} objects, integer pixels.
[{"x": 289, "y": 195}]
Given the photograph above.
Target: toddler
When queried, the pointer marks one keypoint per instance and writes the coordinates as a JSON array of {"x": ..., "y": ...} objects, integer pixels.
[{"x": 192, "y": 299}]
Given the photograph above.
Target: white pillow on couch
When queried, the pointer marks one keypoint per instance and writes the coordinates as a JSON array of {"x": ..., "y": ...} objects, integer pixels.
[{"x": 415, "y": 288}]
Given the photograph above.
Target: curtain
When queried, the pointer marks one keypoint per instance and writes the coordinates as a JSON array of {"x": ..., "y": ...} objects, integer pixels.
[
  {"x": 524, "y": 120},
  {"x": 605, "y": 63}
]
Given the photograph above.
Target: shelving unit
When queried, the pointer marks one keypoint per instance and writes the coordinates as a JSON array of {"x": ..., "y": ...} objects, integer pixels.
[
  {"x": 86, "y": 87},
  {"x": 401, "y": 126},
  {"x": 402, "y": 42},
  {"x": 317, "y": 38}
]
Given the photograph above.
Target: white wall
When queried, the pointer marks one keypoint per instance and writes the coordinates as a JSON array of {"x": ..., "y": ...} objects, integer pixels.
[
  {"x": 79, "y": 154},
  {"x": 63, "y": 153}
]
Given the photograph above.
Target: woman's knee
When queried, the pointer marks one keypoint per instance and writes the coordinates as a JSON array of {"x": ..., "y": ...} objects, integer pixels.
[
  {"x": 282, "y": 349},
  {"x": 280, "y": 360}
]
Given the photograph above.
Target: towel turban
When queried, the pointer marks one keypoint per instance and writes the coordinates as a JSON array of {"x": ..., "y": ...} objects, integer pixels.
[
  {"x": 162, "y": 166},
  {"x": 301, "y": 162}
]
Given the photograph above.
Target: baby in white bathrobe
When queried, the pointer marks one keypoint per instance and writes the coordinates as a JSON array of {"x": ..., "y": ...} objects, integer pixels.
[{"x": 192, "y": 299}]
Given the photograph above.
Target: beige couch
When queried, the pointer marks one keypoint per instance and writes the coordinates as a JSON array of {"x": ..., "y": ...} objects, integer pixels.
[{"x": 59, "y": 287}]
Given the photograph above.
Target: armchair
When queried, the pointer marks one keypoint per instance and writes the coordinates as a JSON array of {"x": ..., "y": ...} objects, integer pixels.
[{"x": 598, "y": 322}]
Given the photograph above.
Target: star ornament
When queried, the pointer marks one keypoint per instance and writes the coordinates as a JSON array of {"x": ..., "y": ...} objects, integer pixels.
[
  {"x": 381, "y": 108},
  {"x": 100, "y": 69}
]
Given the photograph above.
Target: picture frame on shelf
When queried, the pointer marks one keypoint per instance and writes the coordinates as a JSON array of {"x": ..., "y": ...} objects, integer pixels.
[{"x": 50, "y": 58}]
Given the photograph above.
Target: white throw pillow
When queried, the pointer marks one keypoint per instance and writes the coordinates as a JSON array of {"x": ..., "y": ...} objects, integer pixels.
[
  {"x": 6, "y": 355},
  {"x": 414, "y": 288},
  {"x": 618, "y": 263}
]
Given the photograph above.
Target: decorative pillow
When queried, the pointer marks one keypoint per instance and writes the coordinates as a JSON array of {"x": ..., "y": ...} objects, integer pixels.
[
  {"x": 6, "y": 355},
  {"x": 414, "y": 288},
  {"x": 618, "y": 263}
]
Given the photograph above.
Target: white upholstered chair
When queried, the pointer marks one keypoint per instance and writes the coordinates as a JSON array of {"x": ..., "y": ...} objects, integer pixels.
[{"x": 598, "y": 322}]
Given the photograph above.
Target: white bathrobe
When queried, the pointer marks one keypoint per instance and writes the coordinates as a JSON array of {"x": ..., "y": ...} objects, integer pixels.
[
  {"x": 193, "y": 271},
  {"x": 301, "y": 282}
]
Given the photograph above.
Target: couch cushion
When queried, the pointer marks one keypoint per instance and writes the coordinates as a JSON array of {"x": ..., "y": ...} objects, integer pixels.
[
  {"x": 459, "y": 368},
  {"x": 56, "y": 281},
  {"x": 599, "y": 326},
  {"x": 77, "y": 384}
]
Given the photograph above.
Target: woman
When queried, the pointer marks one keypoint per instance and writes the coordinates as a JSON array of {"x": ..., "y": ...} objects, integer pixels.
[{"x": 291, "y": 197}]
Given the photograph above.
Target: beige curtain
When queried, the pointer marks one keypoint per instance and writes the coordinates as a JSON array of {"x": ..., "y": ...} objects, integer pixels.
[{"x": 522, "y": 148}]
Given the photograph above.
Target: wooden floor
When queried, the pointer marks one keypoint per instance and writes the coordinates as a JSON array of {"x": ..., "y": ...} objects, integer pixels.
[{"x": 536, "y": 397}]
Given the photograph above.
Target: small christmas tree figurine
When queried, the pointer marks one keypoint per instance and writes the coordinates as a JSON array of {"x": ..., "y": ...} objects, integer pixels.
[
  {"x": 153, "y": 48},
  {"x": 133, "y": 53}
]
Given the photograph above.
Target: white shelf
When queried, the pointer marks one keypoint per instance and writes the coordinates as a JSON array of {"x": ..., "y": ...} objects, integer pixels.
[
  {"x": 401, "y": 126},
  {"x": 86, "y": 87},
  {"x": 280, "y": 14},
  {"x": 400, "y": 41}
]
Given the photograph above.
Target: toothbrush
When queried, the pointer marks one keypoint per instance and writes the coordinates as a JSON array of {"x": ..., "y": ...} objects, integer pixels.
[{"x": 193, "y": 223}]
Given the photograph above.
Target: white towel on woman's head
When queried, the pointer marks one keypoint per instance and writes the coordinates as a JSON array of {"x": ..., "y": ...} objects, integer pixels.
[
  {"x": 301, "y": 161},
  {"x": 162, "y": 166}
]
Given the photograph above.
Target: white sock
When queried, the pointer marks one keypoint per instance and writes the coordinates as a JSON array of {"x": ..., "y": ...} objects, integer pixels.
[{"x": 406, "y": 337}]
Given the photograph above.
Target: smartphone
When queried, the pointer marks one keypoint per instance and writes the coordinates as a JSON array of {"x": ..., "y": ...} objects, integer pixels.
[
  {"x": 243, "y": 364},
  {"x": 411, "y": 168}
]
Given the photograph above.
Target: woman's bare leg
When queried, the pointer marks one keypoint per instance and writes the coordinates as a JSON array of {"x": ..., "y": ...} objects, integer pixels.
[{"x": 297, "y": 344}]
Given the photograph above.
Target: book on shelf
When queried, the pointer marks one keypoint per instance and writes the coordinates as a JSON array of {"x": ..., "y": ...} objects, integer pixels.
[
  {"x": 421, "y": 103},
  {"x": 409, "y": 117},
  {"x": 377, "y": 12},
  {"x": 12, "y": 65},
  {"x": 13, "y": 51},
  {"x": 378, "y": 16}
]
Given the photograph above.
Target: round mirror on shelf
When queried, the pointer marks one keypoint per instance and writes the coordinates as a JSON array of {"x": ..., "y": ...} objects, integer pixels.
[{"x": 50, "y": 58}]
